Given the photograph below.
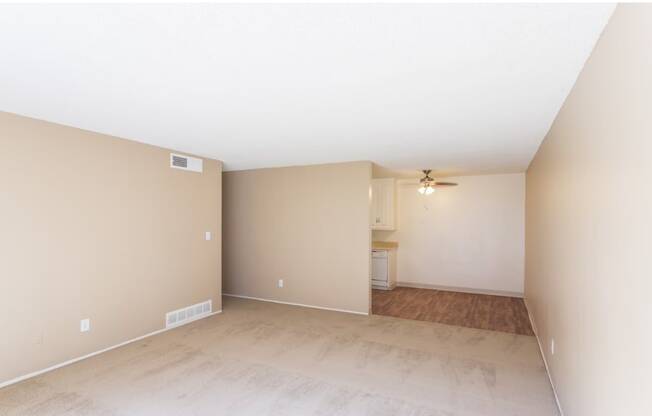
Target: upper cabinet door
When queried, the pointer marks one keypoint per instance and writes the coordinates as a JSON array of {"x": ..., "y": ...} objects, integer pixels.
[{"x": 383, "y": 205}]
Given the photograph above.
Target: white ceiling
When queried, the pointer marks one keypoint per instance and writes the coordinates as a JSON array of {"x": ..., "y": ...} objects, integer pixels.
[{"x": 461, "y": 88}]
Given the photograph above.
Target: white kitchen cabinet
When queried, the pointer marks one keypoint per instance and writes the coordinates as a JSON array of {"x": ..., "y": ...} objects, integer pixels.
[{"x": 383, "y": 204}]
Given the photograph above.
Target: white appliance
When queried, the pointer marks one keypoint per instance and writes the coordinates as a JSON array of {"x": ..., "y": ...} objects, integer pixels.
[
  {"x": 383, "y": 265},
  {"x": 380, "y": 269}
]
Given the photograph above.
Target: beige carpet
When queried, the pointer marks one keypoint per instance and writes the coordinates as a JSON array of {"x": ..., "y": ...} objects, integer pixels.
[{"x": 261, "y": 358}]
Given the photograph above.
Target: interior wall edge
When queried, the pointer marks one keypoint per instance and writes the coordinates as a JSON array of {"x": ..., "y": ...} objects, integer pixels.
[
  {"x": 461, "y": 289},
  {"x": 303, "y": 305},
  {"x": 543, "y": 356},
  {"x": 98, "y": 352}
]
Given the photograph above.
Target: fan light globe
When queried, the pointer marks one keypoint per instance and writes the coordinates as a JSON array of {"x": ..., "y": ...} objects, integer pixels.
[{"x": 426, "y": 190}]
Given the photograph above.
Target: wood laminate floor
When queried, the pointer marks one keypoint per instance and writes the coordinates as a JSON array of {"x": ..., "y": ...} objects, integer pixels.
[{"x": 495, "y": 313}]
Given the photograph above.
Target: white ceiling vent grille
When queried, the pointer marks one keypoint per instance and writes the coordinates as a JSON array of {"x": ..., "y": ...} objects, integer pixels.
[
  {"x": 186, "y": 163},
  {"x": 188, "y": 314}
]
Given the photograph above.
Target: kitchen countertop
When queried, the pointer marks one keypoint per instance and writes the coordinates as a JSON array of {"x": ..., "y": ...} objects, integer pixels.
[{"x": 384, "y": 245}]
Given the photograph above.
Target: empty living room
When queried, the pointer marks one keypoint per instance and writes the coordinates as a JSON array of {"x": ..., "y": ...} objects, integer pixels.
[{"x": 325, "y": 208}]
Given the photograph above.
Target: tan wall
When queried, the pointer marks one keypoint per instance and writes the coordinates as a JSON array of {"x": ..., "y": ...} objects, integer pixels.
[
  {"x": 308, "y": 225},
  {"x": 96, "y": 227},
  {"x": 472, "y": 235},
  {"x": 589, "y": 228}
]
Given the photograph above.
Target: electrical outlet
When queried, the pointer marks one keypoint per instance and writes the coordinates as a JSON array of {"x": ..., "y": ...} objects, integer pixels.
[
  {"x": 85, "y": 325},
  {"x": 280, "y": 283},
  {"x": 552, "y": 346},
  {"x": 208, "y": 236}
]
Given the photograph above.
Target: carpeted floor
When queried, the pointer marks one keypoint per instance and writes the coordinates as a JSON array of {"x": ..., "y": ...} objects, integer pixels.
[{"x": 260, "y": 358}]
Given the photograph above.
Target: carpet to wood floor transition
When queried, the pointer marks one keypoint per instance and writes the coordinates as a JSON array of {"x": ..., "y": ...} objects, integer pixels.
[{"x": 495, "y": 313}]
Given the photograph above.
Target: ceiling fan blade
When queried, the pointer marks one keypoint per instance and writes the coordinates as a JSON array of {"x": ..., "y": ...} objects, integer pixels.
[{"x": 445, "y": 184}]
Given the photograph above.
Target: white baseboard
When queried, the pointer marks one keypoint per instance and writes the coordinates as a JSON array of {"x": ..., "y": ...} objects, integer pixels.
[
  {"x": 543, "y": 356},
  {"x": 295, "y": 304},
  {"x": 461, "y": 289},
  {"x": 92, "y": 354}
]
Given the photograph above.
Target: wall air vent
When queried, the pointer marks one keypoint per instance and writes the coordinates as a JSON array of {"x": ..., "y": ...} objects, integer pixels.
[
  {"x": 188, "y": 314},
  {"x": 186, "y": 163}
]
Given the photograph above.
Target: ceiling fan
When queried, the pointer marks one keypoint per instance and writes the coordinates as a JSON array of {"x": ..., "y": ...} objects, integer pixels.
[{"x": 428, "y": 184}]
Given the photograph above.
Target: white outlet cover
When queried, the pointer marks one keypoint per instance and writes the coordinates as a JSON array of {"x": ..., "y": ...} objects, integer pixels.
[
  {"x": 280, "y": 282},
  {"x": 85, "y": 325},
  {"x": 208, "y": 236},
  {"x": 552, "y": 347}
]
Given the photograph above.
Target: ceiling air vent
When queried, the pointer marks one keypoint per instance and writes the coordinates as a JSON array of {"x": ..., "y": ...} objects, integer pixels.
[{"x": 186, "y": 163}]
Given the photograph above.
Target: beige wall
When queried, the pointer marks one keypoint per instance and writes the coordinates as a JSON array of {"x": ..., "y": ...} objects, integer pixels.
[
  {"x": 589, "y": 229},
  {"x": 307, "y": 225},
  {"x": 471, "y": 236},
  {"x": 96, "y": 227}
]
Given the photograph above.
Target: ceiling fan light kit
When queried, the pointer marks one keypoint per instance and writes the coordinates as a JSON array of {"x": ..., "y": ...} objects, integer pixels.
[{"x": 428, "y": 184}]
